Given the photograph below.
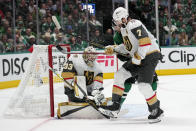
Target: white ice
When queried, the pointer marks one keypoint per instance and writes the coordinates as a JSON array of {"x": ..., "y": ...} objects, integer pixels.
[{"x": 176, "y": 93}]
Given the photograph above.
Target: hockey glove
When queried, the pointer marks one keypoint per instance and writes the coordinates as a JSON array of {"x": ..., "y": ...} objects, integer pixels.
[
  {"x": 97, "y": 96},
  {"x": 109, "y": 50}
]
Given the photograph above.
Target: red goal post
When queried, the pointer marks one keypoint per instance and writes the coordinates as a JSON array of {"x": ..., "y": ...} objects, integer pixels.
[{"x": 50, "y": 62}]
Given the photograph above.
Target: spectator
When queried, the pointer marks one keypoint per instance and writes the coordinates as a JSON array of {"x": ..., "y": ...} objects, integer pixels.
[
  {"x": 4, "y": 27},
  {"x": 51, "y": 6},
  {"x": 27, "y": 35},
  {"x": 48, "y": 26},
  {"x": 178, "y": 7},
  {"x": 194, "y": 27},
  {"x": 97, "y": 37},
  {"x": 69, "y": 33},
  {"x": 94, "y": 22},
  {"x": 192, "y": 19},
  {"x": 82, "y": 25},
  {"x": 8, "y": 16},
  {"x": 20, "y": 46},
  {"x": 108, "y": 38},
  {"x": 2, "y": 48},
  {"x": 48, "y": 13},
  {"x": 187, "y": 29},
  {"x": 73, "y": 43},
  {"x": 180, "y": 21},
  {"x": 32, "y": 41},
  {"x": 55, "y": 33},
  {"x": 8, "y": 47},
  {"x": 43, "y": 10},
  {"x": 171, "y": 29},
  {"x": 162, "y": 33},
  {"x": 75, "y": 14},
  {"x": 173, "y": 41},
  {"x": 192, "y": 41},
  {"x": 20, "y": 26},
  {"x": 30, "y": 23},
  {"x": 21, "y": 38},
  {"x": 183, "y": 38},
  {"x": 59, "y": 39},
  {"x": 22, "y": 9},
  {"x": 46, "y": 39},
  {"x": 32, "y": 7},
  {"x": 9, "y": 33},
  {"x": 69, "y": 21},
  {"x": 1, "y": 15},
  {"x": 80, "y": 10}
]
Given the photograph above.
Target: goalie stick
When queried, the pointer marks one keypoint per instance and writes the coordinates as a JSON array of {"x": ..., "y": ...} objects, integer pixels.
[
  {"x": 90, "y": 102},
  {"x": 72, "y": 111}
]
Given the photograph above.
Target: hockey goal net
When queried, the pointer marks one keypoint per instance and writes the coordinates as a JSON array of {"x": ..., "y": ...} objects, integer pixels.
[{"x": 40, "y": 90}]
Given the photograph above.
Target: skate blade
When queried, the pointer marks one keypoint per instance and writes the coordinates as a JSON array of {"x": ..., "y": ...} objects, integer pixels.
[
  {"x": 111, "y": 114},
  {"x": 151, "y": 121}
]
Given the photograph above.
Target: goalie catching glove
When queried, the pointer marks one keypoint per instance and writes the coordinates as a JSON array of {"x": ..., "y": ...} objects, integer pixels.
[{"x": 97, "y": 96}]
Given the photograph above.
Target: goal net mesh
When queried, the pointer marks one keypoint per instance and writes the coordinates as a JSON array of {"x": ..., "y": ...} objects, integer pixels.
[{"x": 40, "y": 90}]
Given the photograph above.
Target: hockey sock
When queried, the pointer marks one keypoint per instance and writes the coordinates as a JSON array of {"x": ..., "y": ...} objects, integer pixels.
[
  {"x": 154, "y": 86},
  {"x": 126, "y": 90}
]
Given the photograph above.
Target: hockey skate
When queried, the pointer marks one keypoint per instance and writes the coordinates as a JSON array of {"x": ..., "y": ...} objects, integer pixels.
[
  {"x": 155, "y": 113},
  {"x": 110, "y": 110}
]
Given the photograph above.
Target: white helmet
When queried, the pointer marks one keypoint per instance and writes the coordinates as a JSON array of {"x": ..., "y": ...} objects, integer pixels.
[
  {"x": 120, "y": 13},
  {"x": 89, "y": 55}
]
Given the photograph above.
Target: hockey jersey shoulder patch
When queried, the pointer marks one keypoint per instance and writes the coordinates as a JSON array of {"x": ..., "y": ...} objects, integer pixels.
[
  {"x": 69, "y": 70},
  {"x": 141, "y": 34}
]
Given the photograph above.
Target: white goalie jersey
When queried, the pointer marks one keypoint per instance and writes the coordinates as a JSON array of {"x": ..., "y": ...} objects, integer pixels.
[
  {"x": 137, "y": 40},
  {"x": 77, "y": 66}
]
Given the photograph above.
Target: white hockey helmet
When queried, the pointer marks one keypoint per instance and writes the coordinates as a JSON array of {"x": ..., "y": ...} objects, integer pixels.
[
  {"x": 89, "y": 55},
  {"x": 120, "y": 13}
]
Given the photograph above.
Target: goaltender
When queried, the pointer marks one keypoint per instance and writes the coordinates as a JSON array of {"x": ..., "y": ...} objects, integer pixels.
[{"x": 84, "y": 71}]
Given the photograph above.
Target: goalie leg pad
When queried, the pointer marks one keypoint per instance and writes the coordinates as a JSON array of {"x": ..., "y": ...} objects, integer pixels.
[
  {"x": 81, "y": 81},
  {"x": 71, "y": 110}
]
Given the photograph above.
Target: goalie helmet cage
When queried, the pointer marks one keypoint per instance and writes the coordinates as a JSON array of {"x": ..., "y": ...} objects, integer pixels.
[{"x": 34, "y": 96}]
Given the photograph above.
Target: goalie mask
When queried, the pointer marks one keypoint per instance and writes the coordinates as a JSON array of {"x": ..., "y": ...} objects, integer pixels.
[
  {"x": 89, "y": 57},
  {"x": 118, "y": 14}
]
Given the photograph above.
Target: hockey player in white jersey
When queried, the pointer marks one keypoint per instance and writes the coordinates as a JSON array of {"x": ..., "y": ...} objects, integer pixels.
[
  {"x": 84, "y": 65},
  {"x": 141, "y": 46}
]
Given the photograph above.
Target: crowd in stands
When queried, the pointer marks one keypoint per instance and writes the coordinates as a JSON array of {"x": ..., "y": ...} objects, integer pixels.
[
  {"x": 177, "y": 31},
  {"x": 181, "y": 27},
  {"x": 73, "y": 24}
]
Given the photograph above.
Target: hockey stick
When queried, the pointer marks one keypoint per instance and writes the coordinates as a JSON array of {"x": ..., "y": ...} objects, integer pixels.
[
  {"x": 73, "y": 110},
  {"x": 54, "y": 19},
  {"x": 90, "y": 102}
]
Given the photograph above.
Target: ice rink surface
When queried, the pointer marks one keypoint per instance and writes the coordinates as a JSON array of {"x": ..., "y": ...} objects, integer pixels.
[{"x": 176, "y": 93}]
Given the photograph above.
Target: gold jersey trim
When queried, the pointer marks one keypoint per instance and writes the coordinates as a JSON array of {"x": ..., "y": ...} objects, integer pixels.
[
  {"x": 67, "y": 74},
  {"x": 117, "y": 91},
  {"x": 152, "y": 100},
  {"x": 136, "y": 55},
  {"x": 98, "y": 78},
  {"x": 144, "y": 41}
]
